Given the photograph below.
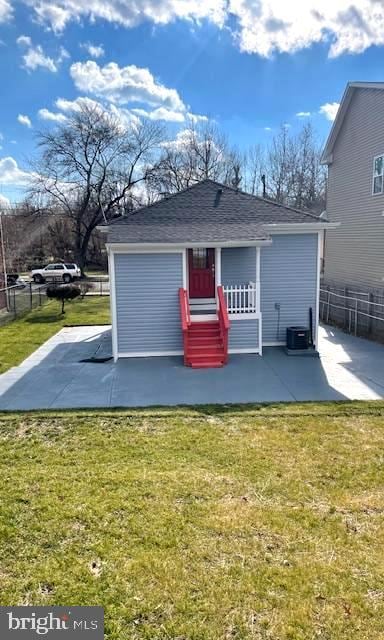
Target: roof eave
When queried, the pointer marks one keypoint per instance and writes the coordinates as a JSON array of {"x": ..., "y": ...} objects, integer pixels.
[
  {"x": 187, "y": 245},
  {"x": 304, "y": 227},
  {"x": 327, "y": 155}
]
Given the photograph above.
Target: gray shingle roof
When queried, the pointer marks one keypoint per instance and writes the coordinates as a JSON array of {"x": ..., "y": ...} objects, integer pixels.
[{"x": 206, "y": 212}]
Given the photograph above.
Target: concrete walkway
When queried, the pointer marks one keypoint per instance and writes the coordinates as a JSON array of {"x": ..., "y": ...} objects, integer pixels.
[{"x": 54, "y": 376}]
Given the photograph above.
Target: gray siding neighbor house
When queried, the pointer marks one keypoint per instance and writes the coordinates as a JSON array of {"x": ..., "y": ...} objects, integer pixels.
[
  {"x": 354, "y": 153},
  {"x": 211, "y": 271}
]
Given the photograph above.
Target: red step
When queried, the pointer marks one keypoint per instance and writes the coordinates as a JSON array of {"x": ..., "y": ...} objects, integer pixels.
[{"x": 205, "y": 346}]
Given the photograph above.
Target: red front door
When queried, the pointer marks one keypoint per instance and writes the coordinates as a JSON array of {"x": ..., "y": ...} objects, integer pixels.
[{"x": 201, "y": 273}]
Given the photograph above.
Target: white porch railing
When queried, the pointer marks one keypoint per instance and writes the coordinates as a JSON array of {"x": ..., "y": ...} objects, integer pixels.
[{"x": 241, "y": 298}]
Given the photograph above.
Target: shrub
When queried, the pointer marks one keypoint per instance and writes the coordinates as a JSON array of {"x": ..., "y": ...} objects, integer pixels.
[{"x": 63, "y": 293}]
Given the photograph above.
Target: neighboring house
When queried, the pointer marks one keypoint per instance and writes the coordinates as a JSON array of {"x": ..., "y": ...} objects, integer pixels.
[
  {"x": 354, "y": 153},
  {"x": 184, "y": 268}
]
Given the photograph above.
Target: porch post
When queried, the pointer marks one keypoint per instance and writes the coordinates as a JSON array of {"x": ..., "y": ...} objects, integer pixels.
[
  {"x": 218, "y": 266},
  {"x": 258, "y": 299},
  {"x": 257, "y": 279}
]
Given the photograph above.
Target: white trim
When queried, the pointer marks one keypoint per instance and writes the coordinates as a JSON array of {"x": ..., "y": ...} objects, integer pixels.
[
  {"x": 244, "y": 316},
  {"x": 185, "y": 270},
  {"x": 261, "y": 334},
  {"x": 274, "y": 344},
  {"x": 258, "y": 280},
  {"x": 170, "y": 247},
  {"x": 317, "y": 308},
  {"x": 196, "y": 317},
  {"x": 257, "y": 351},
  {"x": 117, "y": 247},
  {"x": 300, "y": 227},
  {"x": 148, "y": 354},
  {"x": 112, "y": 302},
  {"x": 218, "y": 267},
  {"x": 196, "y": 302},
  {"x": 152, "y": 354}
]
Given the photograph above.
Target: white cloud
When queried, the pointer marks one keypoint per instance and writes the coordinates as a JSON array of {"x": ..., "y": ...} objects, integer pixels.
[
  {"x": 75, "y": 105},
  {"x": 125, "y": 116},
  {"x": 35, "y": 57},
  {"x": 5, "y": 11},
  {"x": 259, "y": 26},
  {"x": 195, "y": 117},
  {"x": 24, "y": 120},
  {"x": 24, "y": 41},
  {"x": 303, "y": 114},
  {"x": 58, "y": 13},
  {"x": 267, "y": 128},
  {"x": 161, "y": 113},
  {"x": 329, "y": 110},
  {"x": 45, "y": 114},
  {"x": 10, "y": 173},
  {"x": 94, "y": 50},
  {"x": 124, "y": 84},
  {"x": 276, "y": 25}
]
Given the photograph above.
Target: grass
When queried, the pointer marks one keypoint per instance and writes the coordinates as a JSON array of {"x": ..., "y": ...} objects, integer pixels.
[
  {"x": 199, "y": 524},
  {"x": 20, "y": 338}
]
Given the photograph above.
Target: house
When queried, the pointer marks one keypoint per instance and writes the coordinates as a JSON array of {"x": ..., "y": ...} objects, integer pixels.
[
  {"x": 210, "y": 271},
  {"x": 354, "y": 153}
]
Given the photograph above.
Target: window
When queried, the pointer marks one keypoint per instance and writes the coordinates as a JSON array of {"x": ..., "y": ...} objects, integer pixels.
[
  {"x": 49, "y": 267},
  {"x": 200, "y": 258},
  {"x": 70, "y": 266},
  {"x": 59, "y": 267},
  {"x": 378, "y": 175}
]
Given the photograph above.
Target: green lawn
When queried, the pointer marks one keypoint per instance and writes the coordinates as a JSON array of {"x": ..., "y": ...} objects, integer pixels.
[
  {"x": 20, "y": 338},
  {"x": 199, "y": 524}
]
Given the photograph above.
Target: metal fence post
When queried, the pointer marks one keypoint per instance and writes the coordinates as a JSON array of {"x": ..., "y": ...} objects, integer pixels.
[
  {"x": 39, "y": 296},
  {"x": 14, "y": 303},
  {"x": 30, "y": 296}
]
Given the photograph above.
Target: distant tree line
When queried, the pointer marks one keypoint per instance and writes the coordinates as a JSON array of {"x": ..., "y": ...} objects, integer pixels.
[{"x": 93, "y": 168}]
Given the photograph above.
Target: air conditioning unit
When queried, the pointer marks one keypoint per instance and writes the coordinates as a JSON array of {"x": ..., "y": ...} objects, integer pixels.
[{"x": 297, "y": 338}]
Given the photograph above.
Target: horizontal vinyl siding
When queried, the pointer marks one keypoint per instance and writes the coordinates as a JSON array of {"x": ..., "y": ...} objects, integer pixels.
[
  {"x": 244, "y": 334},
  {"x": 288, "y": 276},
  {"x": 238, "y": 265},
  {"x": 147, "y": 307},
  {"x": 354, "y": 253}
]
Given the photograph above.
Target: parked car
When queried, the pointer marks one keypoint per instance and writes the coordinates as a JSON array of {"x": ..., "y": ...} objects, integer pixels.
[
  {"x": 14, "y": 280},
  {"x": 66, "y": 272}
]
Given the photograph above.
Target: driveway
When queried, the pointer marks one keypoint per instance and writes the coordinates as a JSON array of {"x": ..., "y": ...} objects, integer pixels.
[{"x": 56, "y": 376}]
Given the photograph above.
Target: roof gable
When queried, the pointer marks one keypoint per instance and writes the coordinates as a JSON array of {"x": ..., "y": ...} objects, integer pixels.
[{"x": 351, "y": 88}]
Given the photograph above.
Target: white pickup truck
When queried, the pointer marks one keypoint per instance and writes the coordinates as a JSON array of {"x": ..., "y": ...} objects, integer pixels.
[{"x": 66, "y": 272}]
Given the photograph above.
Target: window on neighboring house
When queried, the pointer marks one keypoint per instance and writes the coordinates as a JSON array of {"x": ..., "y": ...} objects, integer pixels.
[{"x": 378, "y": 175}]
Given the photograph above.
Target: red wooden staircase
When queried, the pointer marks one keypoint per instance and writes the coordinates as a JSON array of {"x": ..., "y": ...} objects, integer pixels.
[{"x": 205, "y": 343}]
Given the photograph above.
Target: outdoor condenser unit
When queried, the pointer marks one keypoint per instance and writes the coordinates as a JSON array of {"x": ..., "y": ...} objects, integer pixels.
[{"x": 297, "y": 338}]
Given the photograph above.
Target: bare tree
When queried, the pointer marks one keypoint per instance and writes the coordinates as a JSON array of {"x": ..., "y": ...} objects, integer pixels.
[
  {"x": 89, "y": 168},
  {"x": 253, "y": 163},
  {"x": 199, "y": 152},
  {"x": 295, "y": 176}
]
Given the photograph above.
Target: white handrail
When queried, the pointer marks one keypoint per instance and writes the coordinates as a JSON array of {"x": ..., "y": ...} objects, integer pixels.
[{"x": 241, "y": 298}]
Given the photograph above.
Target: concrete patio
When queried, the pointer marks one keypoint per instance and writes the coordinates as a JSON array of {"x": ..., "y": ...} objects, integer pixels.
[{"x": 54, "y": 377}]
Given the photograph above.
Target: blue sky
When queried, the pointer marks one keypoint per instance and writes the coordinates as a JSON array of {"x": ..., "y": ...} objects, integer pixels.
[{"x": 251, "y": 65}]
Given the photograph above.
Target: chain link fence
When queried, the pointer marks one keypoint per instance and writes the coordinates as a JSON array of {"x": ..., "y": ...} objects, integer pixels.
[{"x": 18, "y": 300}]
